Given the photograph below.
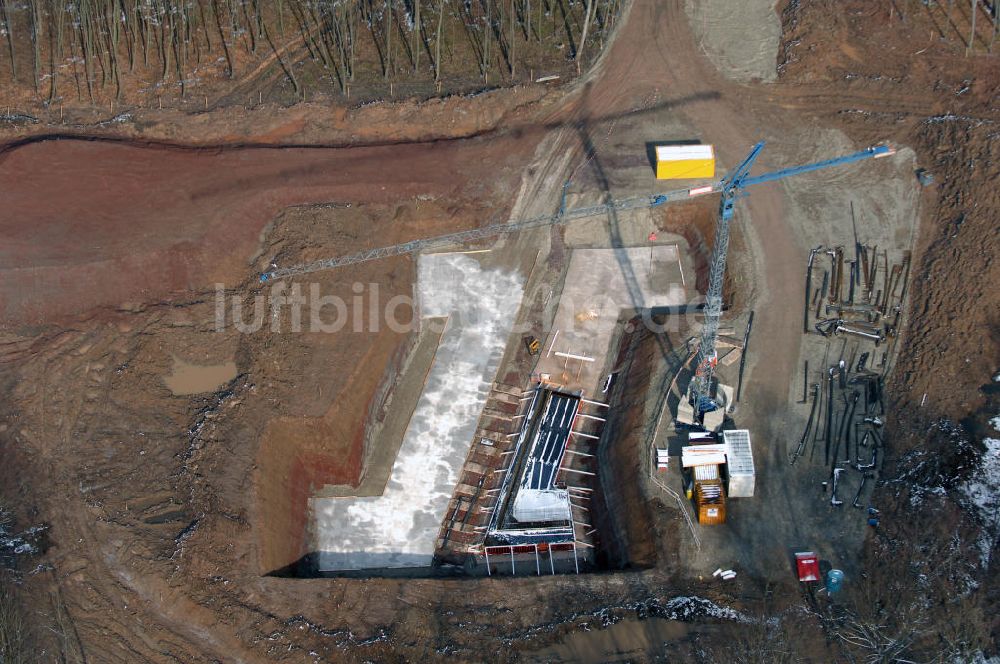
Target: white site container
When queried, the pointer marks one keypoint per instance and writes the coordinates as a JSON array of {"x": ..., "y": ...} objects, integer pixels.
[{"x": 739, "y": 462}]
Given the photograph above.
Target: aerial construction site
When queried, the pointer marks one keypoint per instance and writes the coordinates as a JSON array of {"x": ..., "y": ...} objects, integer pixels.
[{"x": 515, "y": 330}]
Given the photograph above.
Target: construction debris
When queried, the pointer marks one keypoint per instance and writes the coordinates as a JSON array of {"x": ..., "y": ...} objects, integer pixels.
[
  {"x": 847, "y": 407},
  {"x": 836, "y": 481}
]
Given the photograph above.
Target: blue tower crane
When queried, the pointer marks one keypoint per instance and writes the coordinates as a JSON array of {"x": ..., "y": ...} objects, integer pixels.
[{"x": 732, "y": 187}]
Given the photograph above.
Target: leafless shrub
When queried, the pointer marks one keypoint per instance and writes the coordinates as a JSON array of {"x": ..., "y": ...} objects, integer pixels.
[
  {"x": 13, "y": 631},
  {"x": 876, "y": 638},
  {"x": 767, "y": 638}
]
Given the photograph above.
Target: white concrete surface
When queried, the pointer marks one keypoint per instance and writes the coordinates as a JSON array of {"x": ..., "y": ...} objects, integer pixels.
[
  {"x": 600, "y": 284},
  {"x": 399, "y": 528}
]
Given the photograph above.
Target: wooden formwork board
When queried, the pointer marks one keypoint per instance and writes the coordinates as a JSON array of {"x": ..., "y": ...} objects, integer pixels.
[
  {"x": 479, "y": 469},
  {"x": 465, "y": 489}
]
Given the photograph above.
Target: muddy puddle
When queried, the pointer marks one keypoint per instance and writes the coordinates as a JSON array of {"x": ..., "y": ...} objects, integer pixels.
[{"x": 187, "y": 378}]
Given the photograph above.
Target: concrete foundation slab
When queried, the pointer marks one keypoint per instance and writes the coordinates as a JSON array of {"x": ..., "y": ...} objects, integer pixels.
[
  {"x": 399, "y": 528},
  {"x": 600, "y": 284}
]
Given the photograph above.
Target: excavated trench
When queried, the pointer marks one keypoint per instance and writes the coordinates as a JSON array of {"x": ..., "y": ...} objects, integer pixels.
[
  {"x": 633, "y": 521},
  {"x": 630, "y": 515}
]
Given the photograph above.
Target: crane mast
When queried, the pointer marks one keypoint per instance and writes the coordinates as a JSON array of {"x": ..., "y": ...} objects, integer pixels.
[
  {"x": 731, "y": 187},
  {"x": 701, "y": 385}
]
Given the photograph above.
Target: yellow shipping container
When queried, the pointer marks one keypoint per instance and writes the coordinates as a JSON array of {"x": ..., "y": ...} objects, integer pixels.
[{"x": 684, "y": 162}]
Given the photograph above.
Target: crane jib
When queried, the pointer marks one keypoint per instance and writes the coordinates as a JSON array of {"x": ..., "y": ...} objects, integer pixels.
[
  {"x": 869, "y": 153},
  {"x": 731, "y": 186}
]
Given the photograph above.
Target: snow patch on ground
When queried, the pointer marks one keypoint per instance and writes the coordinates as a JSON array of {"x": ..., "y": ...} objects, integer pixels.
[
  {"x": 694, "y": 608},
  {"x": 684, "y": 609},
  {"x": 979, "y": 658},
  {"x": 18, "y": 544},
  {"x": 983, "y": 491}
]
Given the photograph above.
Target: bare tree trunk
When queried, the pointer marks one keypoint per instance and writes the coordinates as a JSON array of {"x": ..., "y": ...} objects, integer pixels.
[
  {"x": 513, "y": 37},
  {"x": 52, "y": 61},
  {"x": 583, "y": 36},
  {"x": 322, "y": 46},
  {"x": 164, "y": 51},
  {"x": 10, "y": 38},
  {"x": 352, "y": 31},
  {"x": 249, "y": 30},
  {"x": 972, "y": 30},
  {"x": 487, "y": 34},
  {"x": 437, "y": 43},
  {"x": 33, "y": 16},
  {"x": 101, "y": 50},
  {"x": 129, "y": 27},
  {"x": 996, "y": 25},
  {"x": 281, "y": 62},
  {"x": 204, "y": 25},
  {"x": 222, "y": 38},
  {"x": 418, "y": 33},
  {"x": 388, "y": 37},
  {"x": 178, "y": 57},
  {"x": 85, "y": 52},
  {"x": 144, "y": 31},
  {"x": 113, "y": 38}
]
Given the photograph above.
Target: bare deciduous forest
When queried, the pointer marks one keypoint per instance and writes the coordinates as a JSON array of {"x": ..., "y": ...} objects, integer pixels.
[{"x": 165, "y": 51}]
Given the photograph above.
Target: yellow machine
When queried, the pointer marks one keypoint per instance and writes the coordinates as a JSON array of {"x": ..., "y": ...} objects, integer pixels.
[{"x": 533, "y": 345}]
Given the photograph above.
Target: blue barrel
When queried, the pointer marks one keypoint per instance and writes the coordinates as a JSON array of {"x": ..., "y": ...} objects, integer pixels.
[{"x": 834, "y": 579}]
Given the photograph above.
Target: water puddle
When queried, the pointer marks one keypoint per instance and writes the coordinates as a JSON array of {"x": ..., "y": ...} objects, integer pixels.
[{"x": 187, "y": 378}]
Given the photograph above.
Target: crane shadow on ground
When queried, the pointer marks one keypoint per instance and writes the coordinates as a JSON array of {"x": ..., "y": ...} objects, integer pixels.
[{"x": 673, "y": 357}]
